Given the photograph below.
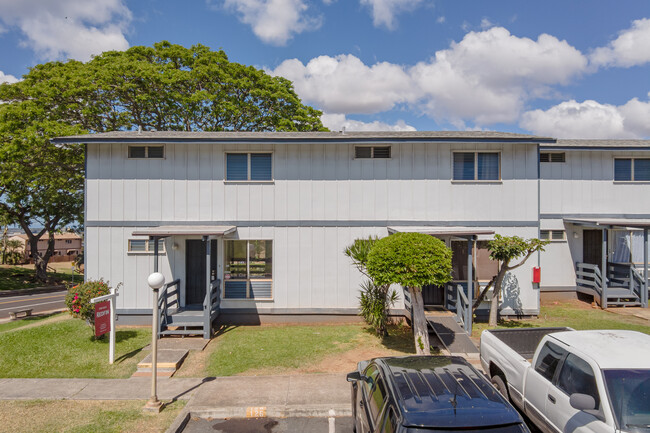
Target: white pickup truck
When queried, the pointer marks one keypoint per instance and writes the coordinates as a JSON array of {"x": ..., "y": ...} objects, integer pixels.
[{"x": 573, "y": 381}]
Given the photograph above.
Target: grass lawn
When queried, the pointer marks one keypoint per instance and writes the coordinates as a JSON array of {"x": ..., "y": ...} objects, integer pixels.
[
  {"x": 574, "y": 314},
  {"x": 287, "y": 349},
  {"x": 84, "y": 416},
  {"x": 65, "y": 348},
  {"x": 17, "y": 277}
]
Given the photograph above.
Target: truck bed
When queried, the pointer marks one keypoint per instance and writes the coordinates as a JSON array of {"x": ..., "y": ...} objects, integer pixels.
[{"x": 524, "y": 341}]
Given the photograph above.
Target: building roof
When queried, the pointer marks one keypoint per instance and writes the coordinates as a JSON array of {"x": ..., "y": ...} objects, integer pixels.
[
  {"x": 596, "y": 144},
  {"x": 610, "y": 349},
  {"x": 352, "y": 136}
]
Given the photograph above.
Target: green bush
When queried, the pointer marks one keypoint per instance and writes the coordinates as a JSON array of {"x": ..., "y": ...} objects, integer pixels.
[
  {"x": 78, "y": 299},
  {"x": 374, "y": 303}
]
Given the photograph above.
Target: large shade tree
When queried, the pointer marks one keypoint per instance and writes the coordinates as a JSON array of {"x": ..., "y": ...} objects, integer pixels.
[
  {"x": 412, "y": 260},
  {"x": 164, "y": 87}
]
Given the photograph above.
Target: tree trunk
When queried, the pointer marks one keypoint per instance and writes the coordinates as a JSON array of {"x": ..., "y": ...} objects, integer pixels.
[
  {"x": 420, "y": 331},
  {"x": 494, "y": 305}
]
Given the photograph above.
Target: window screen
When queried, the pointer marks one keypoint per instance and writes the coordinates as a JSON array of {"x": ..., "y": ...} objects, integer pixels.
[
  {"x": 261, "y": 167},
  {"x": 623, "y": 169},
  {"x": 548, "y": 359},
  {"x": 488, "y": 166},
  {"x": 552, "y": 157},
  {"x": 378, "y": 152},
  {"x": 381, "y": 152},
  {"x": 155, "y": 151},
  {"x": 237, "y": 166},
  {"x": 463, "y": 166},
  {"x": 642, "y": 170},
  {"x": 137, "y": 151}
]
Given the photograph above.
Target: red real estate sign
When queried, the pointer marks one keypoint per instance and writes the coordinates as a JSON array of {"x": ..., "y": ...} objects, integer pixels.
[{"x": 102, "y": 318}]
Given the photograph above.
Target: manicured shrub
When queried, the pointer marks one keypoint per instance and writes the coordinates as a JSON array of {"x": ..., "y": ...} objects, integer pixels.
[{"x": 78, "y": 299}]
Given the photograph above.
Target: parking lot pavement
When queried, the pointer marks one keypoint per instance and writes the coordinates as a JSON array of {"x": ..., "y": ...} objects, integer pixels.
[{"x": 271, "y": 425}]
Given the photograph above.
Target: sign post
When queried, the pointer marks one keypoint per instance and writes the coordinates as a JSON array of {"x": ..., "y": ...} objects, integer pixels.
[{"x": 104, "y": 304}]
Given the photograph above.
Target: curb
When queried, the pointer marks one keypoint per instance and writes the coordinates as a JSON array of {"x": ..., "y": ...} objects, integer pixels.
[
  {"x": 280, "y": 411},
  {"x": 179, "y": 423},
  {"x": 19, "y": 292}
]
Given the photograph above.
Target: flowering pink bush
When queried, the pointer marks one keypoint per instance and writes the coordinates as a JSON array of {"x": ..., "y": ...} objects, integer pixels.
[{"x": 78, "y": 299}]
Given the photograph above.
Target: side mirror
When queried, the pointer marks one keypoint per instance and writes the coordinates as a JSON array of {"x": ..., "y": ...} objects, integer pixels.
[
  {"x": 354, "y": 376},
  {"x": 582, "y": 402}
]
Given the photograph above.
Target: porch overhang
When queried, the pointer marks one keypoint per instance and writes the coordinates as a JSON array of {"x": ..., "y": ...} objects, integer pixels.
[
  {"x": 633, "y": 223},
  {"x": 166, "y": 231},
  {"x": 458, "y": 232},
  {"x": 606, "y": 224}
]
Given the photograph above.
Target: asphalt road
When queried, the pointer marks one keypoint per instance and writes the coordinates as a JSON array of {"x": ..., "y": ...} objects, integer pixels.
[
  {"x": 270, "y": 425},
  {"x": 39, "y": 303}
]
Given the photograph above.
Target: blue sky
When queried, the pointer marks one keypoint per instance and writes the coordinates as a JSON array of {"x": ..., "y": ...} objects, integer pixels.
[{"x": 574, "y": 69}]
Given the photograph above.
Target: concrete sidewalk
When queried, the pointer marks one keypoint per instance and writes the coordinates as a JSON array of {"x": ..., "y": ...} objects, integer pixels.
[
  {"x": 221, "y": 397},
  {"x": 307, "y": 395},
  {"x": 96, "y": 389}
]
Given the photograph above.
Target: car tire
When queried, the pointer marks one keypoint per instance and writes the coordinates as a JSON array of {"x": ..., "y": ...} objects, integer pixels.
[{"x": 500, "y": 384}]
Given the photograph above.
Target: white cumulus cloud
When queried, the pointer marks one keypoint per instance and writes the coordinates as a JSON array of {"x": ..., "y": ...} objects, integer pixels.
[
  {"x": 630, "y": 48},
  {"x": 274, "y": 21},
  {"x": 65, "y": 29},
  {"x": 344, "y": 84},
  {"x": 590, "y": 119},
  {"x": 485, "y": 78},
  {"x": 384, "y": 11},
  {"x": 5, "y": 78},
  {"x": 336, "y": 122},
  {"x": 489, "y": 75}
]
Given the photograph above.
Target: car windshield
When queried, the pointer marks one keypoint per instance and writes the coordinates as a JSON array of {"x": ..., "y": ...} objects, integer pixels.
[{"x": 629, "y": 392}]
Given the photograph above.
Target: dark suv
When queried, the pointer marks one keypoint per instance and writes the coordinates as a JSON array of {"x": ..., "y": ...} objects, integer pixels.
[{"x": 424, "y": 394}]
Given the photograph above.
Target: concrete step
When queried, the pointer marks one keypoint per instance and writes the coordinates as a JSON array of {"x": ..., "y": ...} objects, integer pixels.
[{"x": 169, "y": 360}]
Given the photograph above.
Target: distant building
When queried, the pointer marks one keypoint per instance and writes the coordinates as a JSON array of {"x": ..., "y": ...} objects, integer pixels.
[{"x": 65, "y": 244}]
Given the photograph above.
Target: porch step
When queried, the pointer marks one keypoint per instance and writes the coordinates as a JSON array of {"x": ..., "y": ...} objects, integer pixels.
[{"x": 194, "y": 331}]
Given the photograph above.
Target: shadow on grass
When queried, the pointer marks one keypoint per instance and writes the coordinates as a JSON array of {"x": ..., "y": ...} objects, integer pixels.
[
  {"x": 129, "y": 355},
  {"x": 515, "y": 324},
  {"x": 223, "y": 329},
  {"x": 399, "y": 338},
  {"x": 120, "y": 336}
]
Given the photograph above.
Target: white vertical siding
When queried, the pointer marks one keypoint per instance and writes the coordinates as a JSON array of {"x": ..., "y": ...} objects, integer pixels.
[{"x": 345, "y": 198}]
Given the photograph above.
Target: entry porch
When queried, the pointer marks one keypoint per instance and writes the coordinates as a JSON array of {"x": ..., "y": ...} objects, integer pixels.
[
  {"x": 614, "y": 266},
  {"x": 189, "y": 307},
  {"x": 470, "y": 267}
]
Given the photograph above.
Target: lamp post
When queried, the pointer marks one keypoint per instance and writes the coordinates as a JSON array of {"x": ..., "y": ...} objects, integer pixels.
[{"x": 155, "y": 281}]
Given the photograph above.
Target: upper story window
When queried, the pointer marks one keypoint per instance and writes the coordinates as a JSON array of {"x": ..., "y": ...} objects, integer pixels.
[
  {"x": 249, "y": 166},
  {"x": 136, "y": 152},
  {"x": 476, "y": 166},
  {"x": 632, "y": 169},
  {"x": 375, "y": 152},
  {"x": 552, "y": 157}
]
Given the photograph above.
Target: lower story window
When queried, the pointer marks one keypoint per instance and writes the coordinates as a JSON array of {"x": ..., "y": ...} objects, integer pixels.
[{"x": 248, "y": 271}]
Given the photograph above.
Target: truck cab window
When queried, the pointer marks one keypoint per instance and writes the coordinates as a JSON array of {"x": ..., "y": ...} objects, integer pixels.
[
  {"x": 577, "y": 376},
  {"x": 548, "y": 359}
]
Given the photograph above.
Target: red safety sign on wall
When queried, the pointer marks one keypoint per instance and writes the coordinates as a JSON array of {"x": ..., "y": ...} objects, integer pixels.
[
  {"x": 102, "y": 318},
  {"x": 537, "y": 275}
]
